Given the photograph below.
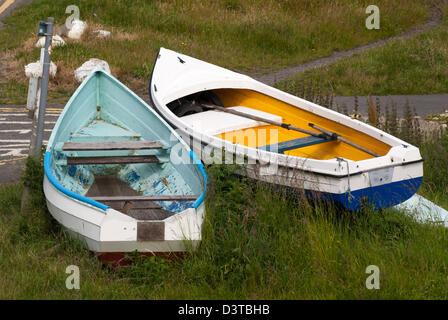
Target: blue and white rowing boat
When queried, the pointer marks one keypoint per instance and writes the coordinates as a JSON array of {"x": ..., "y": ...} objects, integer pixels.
[{"x": 118, "y": 177}]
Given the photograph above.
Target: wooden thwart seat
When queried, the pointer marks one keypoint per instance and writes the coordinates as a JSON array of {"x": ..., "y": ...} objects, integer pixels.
[
  {"x": 294, "y": 144},
  {"x": 112, "y": 160},
  {"x": 112, "y": 146},
  {"x": 121, "y": 197},
  {"x": 146, "y": 198},
  {"x": 123, "y": 145}
]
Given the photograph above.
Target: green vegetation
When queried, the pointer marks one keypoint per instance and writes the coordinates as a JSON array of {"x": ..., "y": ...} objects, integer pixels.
[
  {"x": 232, "y": 33},
  {"x": 259, "y": 241},
  {"x": 440, "y": 118},
  {"x": 435, "y": 176},
  {"x": 415, "y": 66},
  {"x": 13, "y": 92}
]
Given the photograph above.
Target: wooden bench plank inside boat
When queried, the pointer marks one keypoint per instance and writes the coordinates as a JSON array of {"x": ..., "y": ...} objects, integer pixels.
[
  {"x": 110, "y": 186},
  {"x": 113, "y": 160},
  {"x": 145, "y": 198},
  {"x": 122, "y": 145},
  {"x": 294, "y": 144}
]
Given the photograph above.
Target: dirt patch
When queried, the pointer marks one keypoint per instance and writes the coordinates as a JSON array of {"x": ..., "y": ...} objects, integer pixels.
[
  {"x": 115, "y": 33},
  {"x": 13, "y": 69},
  {"x": 10, "y": 68},
  {"x": 30, "y": 43},
  {"x": 64, "y": 78}
]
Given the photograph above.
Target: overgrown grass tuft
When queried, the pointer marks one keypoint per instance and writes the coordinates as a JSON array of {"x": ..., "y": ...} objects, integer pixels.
[
  {"x": 259, "y": 241},
  {"x": 435, "y": 176},
  {"x": 13, "y": 92}
]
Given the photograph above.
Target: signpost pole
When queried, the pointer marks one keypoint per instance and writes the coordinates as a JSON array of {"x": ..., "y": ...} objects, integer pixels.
[
  {"x": 37, "y": 100},
  {"x": 43, "y": 89}
]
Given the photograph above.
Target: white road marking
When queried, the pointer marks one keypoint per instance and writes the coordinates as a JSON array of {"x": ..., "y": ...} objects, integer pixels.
[
  {"x": 22, "y": 131},
  {"x": 23, "y": 122},
  {"x": 15, "y": 140},
  {"x": 15, "y": 122},
  {"x": 10, "y": 146},
  {"x": 14, "y": 153},
  {"x": 19, "y": 141},
  {"x": 22, "y": 114},
  {"x": 19, "y": 131}
]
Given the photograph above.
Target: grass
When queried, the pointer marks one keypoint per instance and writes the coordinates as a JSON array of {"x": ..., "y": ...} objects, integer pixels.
[
  {"x": 435, "y": 152},
  {"x": 244, "y": 35},
  {"x": 415, "y": 66},
  {"x": 13, "y": 92},
  {"x": 259, "y": 242}
]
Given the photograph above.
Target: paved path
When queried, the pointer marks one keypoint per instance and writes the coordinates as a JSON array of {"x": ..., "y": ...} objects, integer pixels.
[
  {"x": 15, "y": 132},
  {"x": 280, "y": 75},
  {"x": 424, "y": 104},
  {"x": 8, "y": 6},
  {"x": 14, "y": 124}
]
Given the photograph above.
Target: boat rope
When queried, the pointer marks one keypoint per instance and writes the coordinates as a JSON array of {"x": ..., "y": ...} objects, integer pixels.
[{"x": 348, "y": 177}]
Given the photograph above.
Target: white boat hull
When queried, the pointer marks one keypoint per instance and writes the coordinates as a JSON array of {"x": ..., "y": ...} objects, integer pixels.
[{"x": 110, "y": 231}]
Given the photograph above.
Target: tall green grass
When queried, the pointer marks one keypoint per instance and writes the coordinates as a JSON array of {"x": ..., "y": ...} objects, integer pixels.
[
  {"x": 259, "y": 241},
  {"x": 435, "y": 152}
]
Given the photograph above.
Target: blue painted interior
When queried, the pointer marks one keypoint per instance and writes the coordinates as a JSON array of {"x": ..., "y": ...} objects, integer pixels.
[
  {"x": 61, "y": 188},
  {"x": 123, "y": 117},
  {"x": 293, "y": 144}
]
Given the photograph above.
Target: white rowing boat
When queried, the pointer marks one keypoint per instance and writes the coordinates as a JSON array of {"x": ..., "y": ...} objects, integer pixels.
[{"x": 282, "y": 139}]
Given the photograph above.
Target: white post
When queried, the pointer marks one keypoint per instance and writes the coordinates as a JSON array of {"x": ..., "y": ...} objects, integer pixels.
[{"x": 32, "y": 105}]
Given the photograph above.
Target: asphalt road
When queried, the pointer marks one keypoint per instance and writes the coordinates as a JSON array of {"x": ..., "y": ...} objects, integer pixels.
[
  {"x": 424, "y": 104},
  {"x": 14, "y": 124},
  {"x": 15, "y": 132},
  {"x": 8, "y": 6}
]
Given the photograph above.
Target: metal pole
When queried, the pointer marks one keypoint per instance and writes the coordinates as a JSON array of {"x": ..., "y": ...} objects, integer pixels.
[
  {"x": 43, "y": 89},
  {"x": 39, "y": 114},
  {"x": 256, "y": 118},
  {"x": 338, "y": 137}
]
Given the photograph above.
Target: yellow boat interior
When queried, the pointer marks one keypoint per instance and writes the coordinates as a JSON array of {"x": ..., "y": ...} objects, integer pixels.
[{"x": 268, "y": 135}]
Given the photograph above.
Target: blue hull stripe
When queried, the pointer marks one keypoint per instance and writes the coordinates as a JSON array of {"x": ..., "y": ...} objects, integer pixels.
[
  {"x": 201, "y": 168},
  {"x": 380, "y": 197},
  {"x": 97, "y": 204},
  {"x": 65, "y": 191}
]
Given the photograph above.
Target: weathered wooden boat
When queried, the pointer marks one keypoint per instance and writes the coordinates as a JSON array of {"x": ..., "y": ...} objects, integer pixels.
[
  {"x": 283, "y": 139},
  {"x": 116, "y": 175}
]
